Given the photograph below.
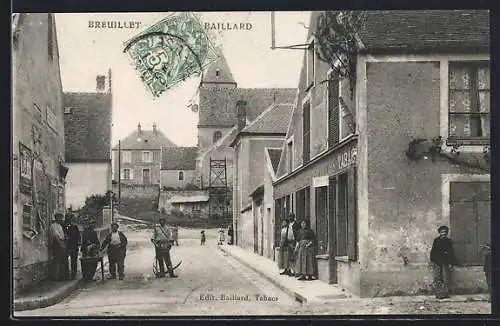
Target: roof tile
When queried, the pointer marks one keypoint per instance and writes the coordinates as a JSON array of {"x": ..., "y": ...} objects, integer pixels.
[
  {"x": 179, "y": 158},
  {"x": 87, "y": 126}
]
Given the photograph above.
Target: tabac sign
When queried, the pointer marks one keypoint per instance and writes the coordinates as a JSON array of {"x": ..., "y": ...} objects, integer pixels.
[{"x": 345, "y": 157}]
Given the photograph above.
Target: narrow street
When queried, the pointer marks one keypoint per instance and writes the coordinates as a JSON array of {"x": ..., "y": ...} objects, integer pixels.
[{"x": 204, "y": 271}]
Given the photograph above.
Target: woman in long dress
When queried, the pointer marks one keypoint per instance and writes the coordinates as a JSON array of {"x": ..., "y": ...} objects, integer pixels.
[
  {"x": 305, "y": 265},
  {"x": 284, "y": 255}
]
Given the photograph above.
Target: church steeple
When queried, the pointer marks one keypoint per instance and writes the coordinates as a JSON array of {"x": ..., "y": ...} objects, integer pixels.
[{"x": 218, "y": 74}]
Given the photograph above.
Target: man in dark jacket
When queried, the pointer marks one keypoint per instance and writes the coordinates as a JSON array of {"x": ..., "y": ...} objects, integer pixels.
[
  {"x": 162, "y": 239},
  {"x": 73, "y": 241},
  {"x": 116, "y": 242},
  {"x": 443, "y": 257}
]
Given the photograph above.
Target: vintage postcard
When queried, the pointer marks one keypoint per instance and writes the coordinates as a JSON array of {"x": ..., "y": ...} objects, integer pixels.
[{"x": 251, "y": 163}]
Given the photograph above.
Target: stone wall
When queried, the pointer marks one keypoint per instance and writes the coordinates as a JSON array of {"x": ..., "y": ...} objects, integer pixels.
[{"x": 149, "y": 191}]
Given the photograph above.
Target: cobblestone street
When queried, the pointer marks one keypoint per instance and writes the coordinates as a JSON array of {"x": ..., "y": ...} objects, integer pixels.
[{"x": 204, "y": 275}]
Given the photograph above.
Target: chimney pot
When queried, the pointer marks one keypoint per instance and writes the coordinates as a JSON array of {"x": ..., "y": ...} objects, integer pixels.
[
  {"x": 241, "y": 108},
  {"x": 139, "y": 128},
  {"x": 100, "y": 83},
  {"x": 154, "y": 128}
]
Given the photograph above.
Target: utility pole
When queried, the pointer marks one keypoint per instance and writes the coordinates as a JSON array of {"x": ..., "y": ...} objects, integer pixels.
[{"x": 119, "y": 173}]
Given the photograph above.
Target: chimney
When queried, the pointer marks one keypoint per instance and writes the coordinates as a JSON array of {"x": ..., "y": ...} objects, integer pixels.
[
  {"x": 241, "y": 109},
  {"x": 154, "y": 128},
  {"x": 139, "y": 128},
  {"x": 101, "y": 83}
]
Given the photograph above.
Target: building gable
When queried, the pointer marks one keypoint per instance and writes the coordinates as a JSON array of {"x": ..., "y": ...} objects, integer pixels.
[{"x": 87, "y": 126}]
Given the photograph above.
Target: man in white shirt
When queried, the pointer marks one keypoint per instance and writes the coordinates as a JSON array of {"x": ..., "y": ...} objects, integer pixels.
[
  {"x": 117, "y": 250},
  {"x": 58, "y": 248},
  {"x": 162, "y": 239}
]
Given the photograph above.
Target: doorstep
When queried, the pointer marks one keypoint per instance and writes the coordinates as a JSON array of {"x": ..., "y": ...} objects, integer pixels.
[
  {"x": 302, "y": 291},
  {"x": 51, "y": 293}
]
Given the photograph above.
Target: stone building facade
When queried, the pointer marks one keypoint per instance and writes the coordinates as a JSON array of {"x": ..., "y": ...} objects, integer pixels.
[
  {"x": 360, "y": 162},
  {"x": 38, "y": 153}
]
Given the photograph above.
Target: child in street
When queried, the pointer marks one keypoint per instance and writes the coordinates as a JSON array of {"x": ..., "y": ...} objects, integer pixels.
[{"x": 203, "y": 238}]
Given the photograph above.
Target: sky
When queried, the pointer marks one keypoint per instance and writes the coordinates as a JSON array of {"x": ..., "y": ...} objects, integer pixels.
[{"x": 87, "y": 52}]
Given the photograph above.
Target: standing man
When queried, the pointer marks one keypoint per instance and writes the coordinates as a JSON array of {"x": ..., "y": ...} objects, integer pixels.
[
  {"x": 58, "y": 248},
  {"x": 73, "y": 238},
  {"x": 443, "y": 257},
  {"x": 291, "y": 237},
  {"x": 116, "y": 242},
  {"x": 162, "y": 240}
]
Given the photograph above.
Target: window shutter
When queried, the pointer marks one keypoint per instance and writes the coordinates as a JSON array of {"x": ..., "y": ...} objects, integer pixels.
[
  {"x": 131, "y": 174},
  {"x": 306, "y": 140},
  {"x": 122, "y": 174},
  {"x": 333, "y": 111},
  {"x": 332, "y": 215},
  {"x": 352, "y": 221}
]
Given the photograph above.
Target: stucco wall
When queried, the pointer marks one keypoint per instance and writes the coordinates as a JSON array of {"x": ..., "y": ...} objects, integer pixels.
[
  {"x": 170, "y": 178},
  {"x": 37, "y": 89},
  {"x": 405, "y": 197},
  {"x": 84, "y": 180},
  {"x": 268, "y": 204},
  {"x": 205, "y": 136},
  {"x": 246, "y": 234}
]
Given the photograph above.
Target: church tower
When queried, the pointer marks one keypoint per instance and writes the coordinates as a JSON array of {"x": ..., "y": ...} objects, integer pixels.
[{"x": 218, "y": 74}]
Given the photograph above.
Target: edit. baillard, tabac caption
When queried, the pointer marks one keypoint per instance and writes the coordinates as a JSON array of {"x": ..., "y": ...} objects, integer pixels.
[{"x": 238, "y": 297}]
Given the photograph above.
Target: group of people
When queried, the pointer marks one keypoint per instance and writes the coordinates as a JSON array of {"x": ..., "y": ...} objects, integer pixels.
[
  {"x": 66, "y": 241},
  {"x": 221, "y": 236},
  {"x": 298, "y": 252},
  {"x": 297, "y": 249}
]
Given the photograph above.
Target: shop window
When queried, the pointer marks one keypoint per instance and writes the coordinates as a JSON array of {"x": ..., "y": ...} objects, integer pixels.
[
  {"x": 469, "y": 101},
  {"x": 321, "y": 201}
]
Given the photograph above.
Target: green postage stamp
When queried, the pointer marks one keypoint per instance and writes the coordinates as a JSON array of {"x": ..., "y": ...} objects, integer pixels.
[{"x": 171, "y": 51}]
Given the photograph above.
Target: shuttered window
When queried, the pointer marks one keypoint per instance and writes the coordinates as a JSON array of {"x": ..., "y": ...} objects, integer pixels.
[
  {"x": 346, "y": 222},
  {"x": 306, "y": 140},
  {"x": 342, "y": 215},
  {"x": 332, "y": 213},
  {"x": 333, "y": 110},
  {"x": 352, "y": 219},
  {"x": 307, "y": 205},
  {"x": 470, "y": 220}
]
